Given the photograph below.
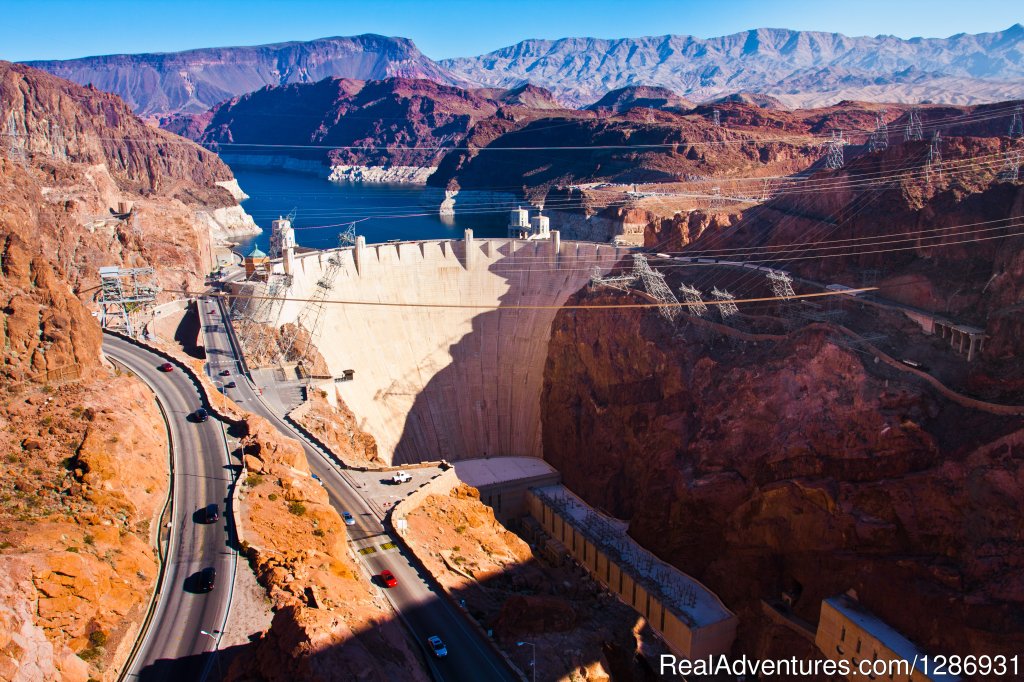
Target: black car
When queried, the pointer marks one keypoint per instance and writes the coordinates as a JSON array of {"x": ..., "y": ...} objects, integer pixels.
[
  {"x": 230, "y": 384},
  {"x": 207, "y": 579},
  {"x": 201, "y": 414},
  {"x": 211, "y": 513},
  {"x": 225, "y": 373}
]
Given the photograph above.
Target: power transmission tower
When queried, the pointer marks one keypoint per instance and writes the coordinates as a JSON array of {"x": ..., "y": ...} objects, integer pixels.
[
  {"x": 1011, "y": 167},
  {"x": 311, "y": 316},
  {"x": 834, "y": 156},
  {"x": 934, "y": 157},
  {"x": 879, "y": 140},
  {"x": 726, "y": 307},
  {"x": 348, "y": 237},
  {"x": 125, "y": 293},
  {"x": 781, "y": 283},
  {"x": 654, "y": 282},
  {"x": 620, "y": 282},
  {"x": 914, "y": 131},
  {"x": 716, "y": 118},
  {"x": 1016, "y": 125},
  {"x": 257, "y": 331},
  {"x": 691, "y": 295}
]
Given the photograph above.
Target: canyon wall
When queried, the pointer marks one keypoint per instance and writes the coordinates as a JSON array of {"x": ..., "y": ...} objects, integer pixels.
[
  {"x": 792, "y": 465},
  {"x": 70, "y": 154}
]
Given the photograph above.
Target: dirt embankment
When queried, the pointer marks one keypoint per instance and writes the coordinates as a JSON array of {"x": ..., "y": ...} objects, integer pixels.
[
  {"x": 580, "y": 632},
  {"x": 330, "y": 623},
  {"x": 793, "y": 465}
]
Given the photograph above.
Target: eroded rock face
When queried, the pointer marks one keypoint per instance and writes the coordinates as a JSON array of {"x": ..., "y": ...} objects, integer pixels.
[
  {"x": 71, "y": 154},
  {"x": 790, "y": 464},
  {"x": 329, "y": 622},
  {"x": 78, "y": 501}
]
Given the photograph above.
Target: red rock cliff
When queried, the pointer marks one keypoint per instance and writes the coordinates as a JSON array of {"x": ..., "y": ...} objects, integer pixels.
[{"x": 793, "y": 464}]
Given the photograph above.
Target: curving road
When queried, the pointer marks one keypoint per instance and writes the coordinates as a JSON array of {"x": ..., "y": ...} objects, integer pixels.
[
  {"x": 174, "y": 646},
  {"x": 423, "y": 610}
]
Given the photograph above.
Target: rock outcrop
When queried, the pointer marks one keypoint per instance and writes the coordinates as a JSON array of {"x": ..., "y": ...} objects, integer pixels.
[
  {"x": 71, "y": 155},
  {"x": 329, "y": 622}
]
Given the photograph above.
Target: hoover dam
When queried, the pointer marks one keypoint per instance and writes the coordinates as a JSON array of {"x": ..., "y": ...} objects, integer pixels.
[{"x": 447, "y": 339}]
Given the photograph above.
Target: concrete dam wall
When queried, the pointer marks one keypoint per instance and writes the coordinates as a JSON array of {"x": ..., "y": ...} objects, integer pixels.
[{"x": 446, "y": 367}]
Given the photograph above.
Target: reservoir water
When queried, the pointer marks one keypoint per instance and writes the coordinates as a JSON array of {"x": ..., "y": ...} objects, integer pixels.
[{"x": 323, "y": 209}]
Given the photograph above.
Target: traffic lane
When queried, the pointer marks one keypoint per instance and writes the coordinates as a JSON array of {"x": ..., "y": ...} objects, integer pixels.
[
  {"x": 201, "y": 477},
  {"x": 428, "y": 613}
]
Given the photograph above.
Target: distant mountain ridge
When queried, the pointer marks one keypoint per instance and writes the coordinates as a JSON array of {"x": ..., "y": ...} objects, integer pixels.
[
  {"x": 797, "y": 68},
  {"x": 801, "y": 68},
  {"x": 195, "y": 80}
]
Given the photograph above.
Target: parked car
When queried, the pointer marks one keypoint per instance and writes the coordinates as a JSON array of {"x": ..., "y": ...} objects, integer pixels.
[
  {"x": 211, "y": 514},
  {"x": 401, "y": 477},
  {"x": 166, "y": 367},
  {"x": 207, "y": 579},
  {"x": 437, "y": 646},
  {"x": 201, "y": 414},
  {"x": 388, "y": 578}
]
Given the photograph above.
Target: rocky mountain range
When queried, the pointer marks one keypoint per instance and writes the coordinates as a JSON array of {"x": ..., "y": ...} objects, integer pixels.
[
  {"x": 390, "y": 122},
  {"x": 195, "y": 80},
  {"x": 799, "y": 68}
]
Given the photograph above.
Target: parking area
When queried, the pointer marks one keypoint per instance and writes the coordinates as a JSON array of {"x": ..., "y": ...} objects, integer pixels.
[{"x": 377, "y": 489}]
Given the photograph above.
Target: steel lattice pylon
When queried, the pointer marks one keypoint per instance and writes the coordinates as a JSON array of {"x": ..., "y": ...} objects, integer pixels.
[
  {"x": 124, "y": 294},
  {"x": 259, "y": 317},
  {"x": 1011, "y": 167},
  {"x": 914, "y": 131},
  {"x": 934, "y": 157},
  {"x": 879, "y": 140},
  {"x": 310, "y": 317},
  {"x": 655, "y": 284},
  {"x": 834, "y": 156},
  {"x": 726, "y": 307},
  {"x": 691, "y": 295},
  {"x": 1016, "y": 124},
  {"x": 781, "y": 283}
]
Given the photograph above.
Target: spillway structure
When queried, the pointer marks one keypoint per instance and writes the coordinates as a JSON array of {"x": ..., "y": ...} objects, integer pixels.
[{"x": 446, "y": 339}]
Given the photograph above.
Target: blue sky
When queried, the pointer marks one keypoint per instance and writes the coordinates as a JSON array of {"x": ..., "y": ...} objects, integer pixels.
[{"x": 60, "y": 29}]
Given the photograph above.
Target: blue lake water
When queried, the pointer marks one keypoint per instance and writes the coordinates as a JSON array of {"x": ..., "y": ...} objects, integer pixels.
[{"x": 323, "y": 210}]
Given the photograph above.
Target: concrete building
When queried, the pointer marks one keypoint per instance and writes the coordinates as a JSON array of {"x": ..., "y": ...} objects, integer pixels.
[
  {"x": 522, "y": 226},
  {"x": 504, "y": 481},
  {"x": 282, "y": 243},
  {"x": 690, "y": 618},
  {"x": 964, "y": 339},
  {"x": 459, "y": 373},
  {"x": 255, "y": 263},
  {"x": 846, "y": 630}
]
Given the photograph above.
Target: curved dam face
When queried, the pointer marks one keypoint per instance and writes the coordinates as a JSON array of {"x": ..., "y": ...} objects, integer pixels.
[{"x": 434, "y": 380}]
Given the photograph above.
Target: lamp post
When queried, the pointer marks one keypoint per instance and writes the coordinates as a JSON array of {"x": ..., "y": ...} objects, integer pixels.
[
  {"x": 533, "y": 663},
  {"x": 215, "y": 636}
]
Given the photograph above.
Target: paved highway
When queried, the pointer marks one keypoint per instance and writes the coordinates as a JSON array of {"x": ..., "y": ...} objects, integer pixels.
[
  {"x": 470, "y": 657},
  {"x": 174, "y": 646}
]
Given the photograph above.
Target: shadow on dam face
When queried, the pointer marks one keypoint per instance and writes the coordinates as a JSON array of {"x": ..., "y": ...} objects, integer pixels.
[{"x": 446, "y": 382}]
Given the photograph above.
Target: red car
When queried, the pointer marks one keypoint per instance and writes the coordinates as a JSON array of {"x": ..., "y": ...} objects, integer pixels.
[
  {"x": 388, "y": 578},
  {"x": 166, "y": 367}
]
